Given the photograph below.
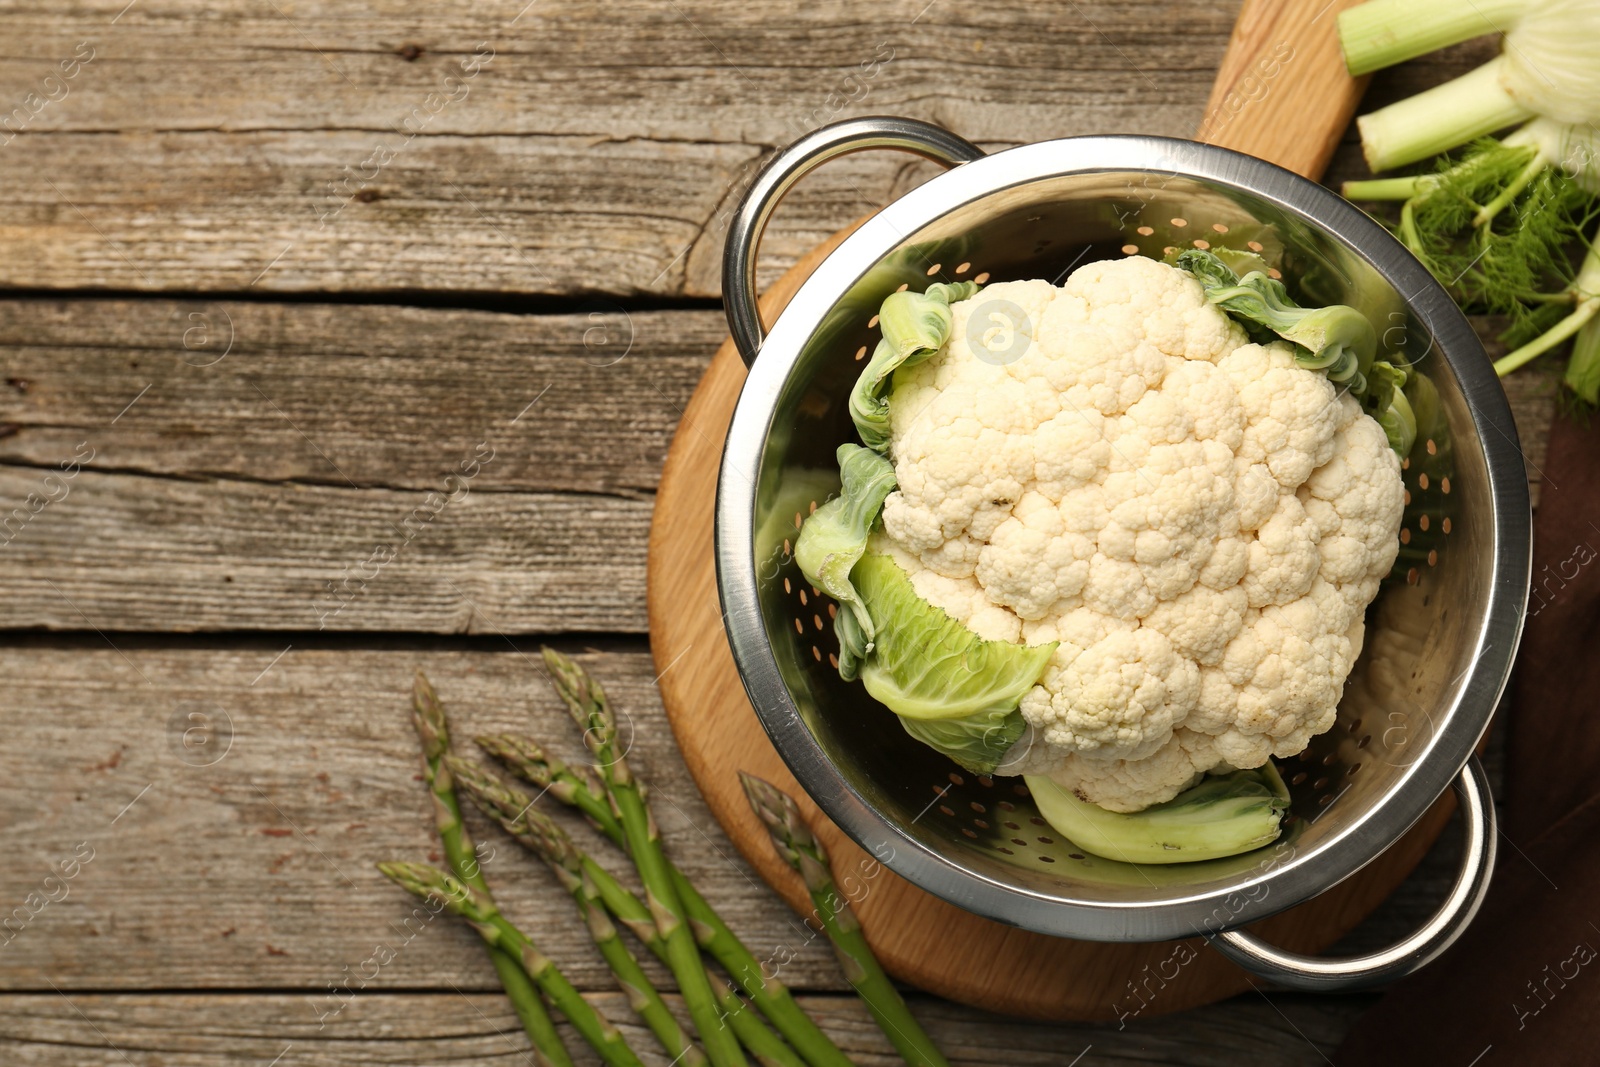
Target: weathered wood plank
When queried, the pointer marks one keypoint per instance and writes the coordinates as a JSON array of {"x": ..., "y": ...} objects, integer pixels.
[
  {"x": 446, "y": 470},
  {"x": 438, "y": 1029},
  {"x": 308, "y": 147},
  {"x": 555, "y": 69},
  {"x": 342, "y": 395},
  {"x": 573, "y": 155},
  {"x": 501, "y": 213},
  {"x": 120, "y": 552},
  {"x": 256, "y": 870}
]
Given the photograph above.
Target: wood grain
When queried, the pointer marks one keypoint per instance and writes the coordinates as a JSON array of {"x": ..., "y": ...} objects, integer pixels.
[
  {"x": 600, "y": 151},
  {"x": 592, "y": 150},
  {"x": 237, "y": 798},
  {"x": 1282, "y": 91},
  {"x": 368, "y": 396},
  {"x": 427, "y": 1029},
  {"x": 227, "y": 494},
  {"x": 121, "y": 552},
  {"x": 627, "y": 69}
]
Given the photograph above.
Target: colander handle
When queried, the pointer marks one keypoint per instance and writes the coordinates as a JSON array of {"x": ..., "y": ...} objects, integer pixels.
[
  {"x": 789, "y": 166},
  {"x": 1322, "y": 975}
]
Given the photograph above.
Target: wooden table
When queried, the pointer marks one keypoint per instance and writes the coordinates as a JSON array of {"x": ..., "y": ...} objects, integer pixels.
[{"x": 277, "y": 272}]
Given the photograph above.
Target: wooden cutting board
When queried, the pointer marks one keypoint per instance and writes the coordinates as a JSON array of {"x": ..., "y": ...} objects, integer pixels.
[{"x": 1282, "y": 94}]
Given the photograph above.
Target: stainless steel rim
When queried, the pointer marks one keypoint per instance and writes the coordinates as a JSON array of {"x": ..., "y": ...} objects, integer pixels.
[{"x": 1302, "y": 872}]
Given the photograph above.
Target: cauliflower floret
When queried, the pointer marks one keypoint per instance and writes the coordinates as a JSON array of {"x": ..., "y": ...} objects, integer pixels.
[
  {"x": 1199, "y": 522},
  {"x": 1119, "y": 698},
  {"x": 1032, "y": 561},
  {"x": 1291, "y": 412},
  {"x": 1133, "y": 785}
]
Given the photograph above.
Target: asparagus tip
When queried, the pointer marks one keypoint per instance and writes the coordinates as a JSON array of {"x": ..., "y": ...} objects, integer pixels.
[
  {"x": 525, "y": 759},
  {"x": 569, "y": 678},
  {"x": 428, "y": 716},
  {"x": 781, "y": 816},
  {"x": 422, "y": 691},
  {"x": 484, "y": 785},
  {"x": 522, "y": 754},
  {"x": 513, "y": 810},
  {"x": 518, "y": 745},
  {"x": 587, "y": 702},
  {"x": 430, "y": 883}
]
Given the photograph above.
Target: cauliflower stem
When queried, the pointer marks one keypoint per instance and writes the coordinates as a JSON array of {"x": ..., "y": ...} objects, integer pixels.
[{"x": 1223, "y": 815}]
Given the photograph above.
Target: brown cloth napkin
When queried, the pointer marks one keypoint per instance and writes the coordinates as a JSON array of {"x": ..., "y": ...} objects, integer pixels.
[{"x": 1522, "y": 986}]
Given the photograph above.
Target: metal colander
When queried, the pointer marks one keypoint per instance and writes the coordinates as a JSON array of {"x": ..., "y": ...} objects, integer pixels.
[{"x": 1440, "y": 636}]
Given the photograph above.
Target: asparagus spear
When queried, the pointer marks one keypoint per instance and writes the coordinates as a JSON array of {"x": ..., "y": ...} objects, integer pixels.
[
  {"x": 592, "y": 712},
  {"x": 551, "y": 844},
  {"x": 434, "y": 885},
  {"x": 577, "y": 787},
  {"x": 513, "y": 810},
  {"x": 802, "y": 851},
  {"x": 767, "y": 1047},
  {"x": 433, "y": 729}
]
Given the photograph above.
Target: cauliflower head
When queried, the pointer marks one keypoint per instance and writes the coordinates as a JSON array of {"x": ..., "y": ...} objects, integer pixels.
[{"x": 1198, "y": 522}]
